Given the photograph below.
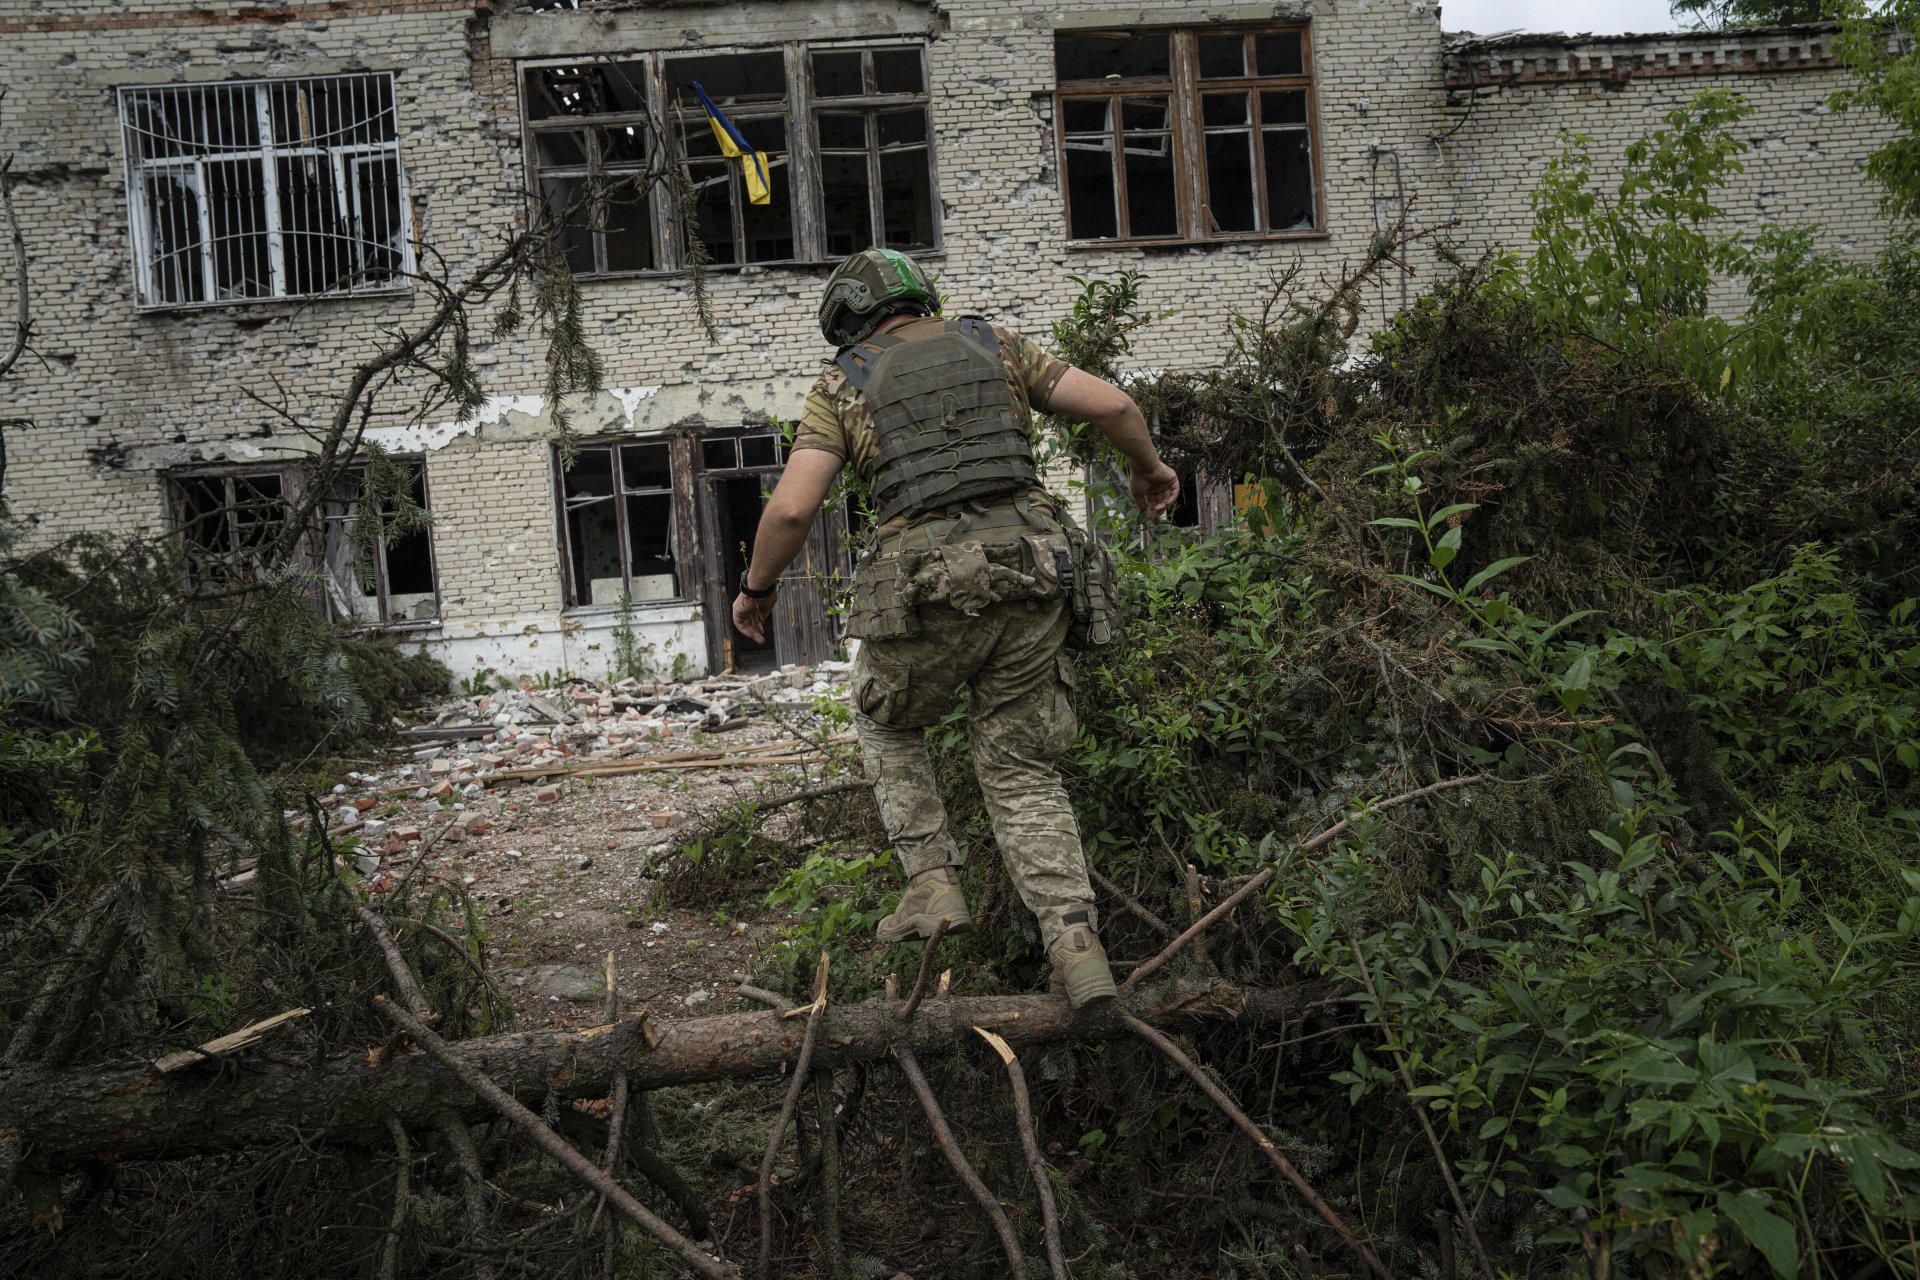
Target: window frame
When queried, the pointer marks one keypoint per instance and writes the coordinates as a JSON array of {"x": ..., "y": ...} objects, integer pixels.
[
  {"x": 1185, "y": 92},
  {"x": 354, "y": 477},
  {"x": 344, "y": 162},
  {"x": 230, "y": 565},
  {"x": 869, "y": 104},
  {"x": 679, "y": 492},
  {"x": 800, "y": 109},
  {"x": 593, "y": 167}
]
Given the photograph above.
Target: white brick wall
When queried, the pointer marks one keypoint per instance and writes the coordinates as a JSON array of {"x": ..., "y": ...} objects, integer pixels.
[{"x": 117, "y": 397}]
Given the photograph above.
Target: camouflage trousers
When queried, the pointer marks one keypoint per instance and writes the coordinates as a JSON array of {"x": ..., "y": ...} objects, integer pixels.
[{"x": 1021, "y": 721}]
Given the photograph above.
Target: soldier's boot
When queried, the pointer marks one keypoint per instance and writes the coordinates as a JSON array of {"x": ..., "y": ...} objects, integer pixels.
[
  {"x": 931, "y": 896},
  {"x": 1080, "y": 967}
]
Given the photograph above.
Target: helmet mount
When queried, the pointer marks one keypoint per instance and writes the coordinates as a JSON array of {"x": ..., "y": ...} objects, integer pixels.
[{"x": 869, "y": 287}]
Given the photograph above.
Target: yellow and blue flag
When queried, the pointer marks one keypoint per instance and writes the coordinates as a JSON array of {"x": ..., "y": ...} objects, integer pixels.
[{"x": 753, "y": 164}]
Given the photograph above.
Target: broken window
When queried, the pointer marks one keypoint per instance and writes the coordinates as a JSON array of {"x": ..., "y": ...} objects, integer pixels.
[
  {"x": 227, "y": 522},
  {"x": 265, "y": 189},
  {"x": 1187, "y": 134},
  {"x": 378, "y": 571},
  {"x": 742, "y": 452},
  {"x": 875, "y": 160},
  {"x": 621, "y": 531},
  {"x": 589, "y": 135},
  {"x": 750, "y": 89},
  {"x": 864, "y": 144}
]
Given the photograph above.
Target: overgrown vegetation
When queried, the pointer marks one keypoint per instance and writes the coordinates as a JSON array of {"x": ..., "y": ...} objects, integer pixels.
[{"x": 1636, "y": 998}]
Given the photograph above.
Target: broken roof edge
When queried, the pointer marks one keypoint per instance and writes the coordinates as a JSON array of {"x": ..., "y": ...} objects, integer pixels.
[{"x": 1458, "y": 42}]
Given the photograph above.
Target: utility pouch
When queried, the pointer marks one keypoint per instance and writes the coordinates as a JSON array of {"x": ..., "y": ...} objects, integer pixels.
[
  {"x": 1092, "y": 591},
  {"x": 880, "y": 607},
  {"x": 969, "y": 577},
  {"x": 1049, "y": 562}
]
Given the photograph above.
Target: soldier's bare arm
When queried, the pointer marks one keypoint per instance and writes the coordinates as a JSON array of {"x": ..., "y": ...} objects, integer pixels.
[
  {"x": 784, "y": 522},
  {"x": 1112, "y": 412}
]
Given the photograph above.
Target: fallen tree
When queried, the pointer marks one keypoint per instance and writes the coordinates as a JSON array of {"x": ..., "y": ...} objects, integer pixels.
[{"x": 62, "y": 1118}]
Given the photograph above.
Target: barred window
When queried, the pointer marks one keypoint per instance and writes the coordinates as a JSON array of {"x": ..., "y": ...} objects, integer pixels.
[
  {"x": 265, "y": 189},
  {"x": 1187, "y": 134},
  {"x": 845, "y": 128}
]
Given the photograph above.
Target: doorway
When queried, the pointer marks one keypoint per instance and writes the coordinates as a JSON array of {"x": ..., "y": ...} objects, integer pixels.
[
  {"x": 737, "y": 501},
  {"x": 737, "y": 471}
]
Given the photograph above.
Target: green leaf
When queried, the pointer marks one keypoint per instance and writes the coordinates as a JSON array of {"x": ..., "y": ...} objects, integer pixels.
[
  {"x": 1491, "y": 572},
  {"x": 1768, "y": 1232},
  {"x": 1446, "y": 549},
  {"x": 1412, "y": 581}
]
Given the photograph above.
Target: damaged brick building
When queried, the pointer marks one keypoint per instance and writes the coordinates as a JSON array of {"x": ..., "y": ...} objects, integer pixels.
[{"x": 223, "y": 203}]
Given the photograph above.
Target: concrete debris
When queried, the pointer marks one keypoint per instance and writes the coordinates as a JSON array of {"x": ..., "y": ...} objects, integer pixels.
[{"x": 437, "y": 789}]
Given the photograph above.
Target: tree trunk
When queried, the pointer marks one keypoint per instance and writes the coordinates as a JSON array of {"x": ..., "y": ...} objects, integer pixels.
[{"x": 127, "y": 1113}]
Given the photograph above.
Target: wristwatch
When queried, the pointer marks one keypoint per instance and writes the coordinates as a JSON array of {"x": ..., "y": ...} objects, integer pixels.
[{"x": 750, "y": 593}]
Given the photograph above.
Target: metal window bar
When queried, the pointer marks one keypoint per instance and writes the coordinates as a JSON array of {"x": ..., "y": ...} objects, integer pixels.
[{"x": 252, "y": 189}]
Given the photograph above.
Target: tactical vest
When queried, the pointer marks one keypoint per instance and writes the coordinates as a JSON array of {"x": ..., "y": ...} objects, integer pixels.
[{"x": 946, "y": 425}]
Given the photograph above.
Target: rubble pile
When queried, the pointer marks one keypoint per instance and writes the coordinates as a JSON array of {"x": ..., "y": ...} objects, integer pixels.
[{"x": 460, "y": 770}]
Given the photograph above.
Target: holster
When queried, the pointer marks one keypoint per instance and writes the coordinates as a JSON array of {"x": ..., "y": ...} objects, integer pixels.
[{"x": 1092, "y": 590}]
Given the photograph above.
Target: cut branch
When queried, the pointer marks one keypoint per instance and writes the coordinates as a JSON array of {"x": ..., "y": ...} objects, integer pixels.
[
  {"x": 926, "y": 966},
  {"x": 1128, "y": 901},
  {"x": 1224, "y": 1100},
  {"x": 800, "y": 1077},
  {"x": 1036, "y": 1164},
  {"x": 404, "y": 984},
  {"x": 557, "y": 1147},
  {"x": 950, "y": 1147},
  {"x": 473, "y": 1192}
]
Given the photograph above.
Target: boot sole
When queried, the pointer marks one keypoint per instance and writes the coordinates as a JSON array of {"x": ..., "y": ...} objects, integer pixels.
[
  {"x": 922, "y": 926},
  {"x": 1081, "y": 999}
]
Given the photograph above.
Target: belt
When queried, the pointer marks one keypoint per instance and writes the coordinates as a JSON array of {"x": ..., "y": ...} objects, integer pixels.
[{"x": 1014, "y": 513}]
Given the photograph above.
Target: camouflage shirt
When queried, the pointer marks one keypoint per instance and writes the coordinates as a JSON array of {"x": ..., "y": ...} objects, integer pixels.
[{"x": 835, "y": 420}]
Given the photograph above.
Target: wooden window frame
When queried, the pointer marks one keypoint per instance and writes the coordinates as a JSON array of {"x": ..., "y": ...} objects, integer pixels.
[
  {"x": 687, "y": 575},
  {"x": 593, "y": 167},
  {"x": 383, "y": 595},
  {"x": 235, "y": 566},
  {"x": 662, "y": 119},
  {"x": 870, "y": 104},
  {"x": 1184, "y": 90}
]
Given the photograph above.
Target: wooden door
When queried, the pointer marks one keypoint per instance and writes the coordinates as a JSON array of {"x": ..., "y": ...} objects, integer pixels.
[
  {"x": 803, "y": 630},
  {"x": 729, "y": 512}
]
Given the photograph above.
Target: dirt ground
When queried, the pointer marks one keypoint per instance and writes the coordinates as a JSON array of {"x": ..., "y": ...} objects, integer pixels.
[{"x": 566, "y": 864}]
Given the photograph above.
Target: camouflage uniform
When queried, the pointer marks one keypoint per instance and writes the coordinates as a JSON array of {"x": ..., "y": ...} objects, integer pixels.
[{"x": 1009, "y": 654}]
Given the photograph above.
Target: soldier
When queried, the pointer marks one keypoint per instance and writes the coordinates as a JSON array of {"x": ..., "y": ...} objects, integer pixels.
[{"x": 973, "y": 577}]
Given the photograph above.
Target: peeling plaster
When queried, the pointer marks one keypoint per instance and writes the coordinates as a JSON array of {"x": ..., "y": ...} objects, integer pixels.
[{"x": 421, "y": 438}]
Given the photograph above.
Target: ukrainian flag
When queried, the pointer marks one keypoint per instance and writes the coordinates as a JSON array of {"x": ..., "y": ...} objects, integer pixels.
[{"x": 753, "y": 164}]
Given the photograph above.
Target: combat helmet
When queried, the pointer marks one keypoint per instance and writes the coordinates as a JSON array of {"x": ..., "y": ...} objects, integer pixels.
[{"x": 867, "y": 288}]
